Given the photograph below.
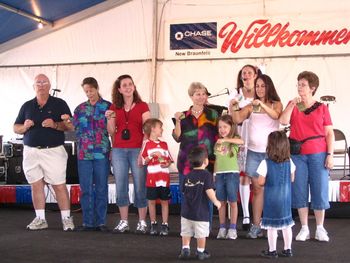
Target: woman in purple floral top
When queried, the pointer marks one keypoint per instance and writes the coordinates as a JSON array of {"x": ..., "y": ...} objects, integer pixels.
[
  {"x": 93, "y": 156},
  {"x": 196, "y": 126}
]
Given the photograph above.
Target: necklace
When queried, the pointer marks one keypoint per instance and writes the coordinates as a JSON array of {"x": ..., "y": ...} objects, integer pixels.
[{"x": 196, "y": 111}]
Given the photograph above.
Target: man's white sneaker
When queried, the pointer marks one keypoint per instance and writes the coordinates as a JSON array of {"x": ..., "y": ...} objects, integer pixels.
[
  {"x": 321, "y": 235},
  {"x": 68, "y": 224},
  {"x": 37, "y": 224},
  {"x": 303, "y": 235}
]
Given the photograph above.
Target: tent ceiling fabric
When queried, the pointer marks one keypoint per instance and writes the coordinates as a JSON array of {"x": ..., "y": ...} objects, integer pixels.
[{"x": 14, "y": 25}]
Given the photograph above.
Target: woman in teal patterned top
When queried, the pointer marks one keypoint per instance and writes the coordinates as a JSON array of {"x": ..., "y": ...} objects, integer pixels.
[{"x": 93, "y": 156}]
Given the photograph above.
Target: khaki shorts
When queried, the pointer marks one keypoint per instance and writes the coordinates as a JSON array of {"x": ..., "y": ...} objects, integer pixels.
[
  {"x": 196, "y": 229},
  {"x": 48, "y": 164}
]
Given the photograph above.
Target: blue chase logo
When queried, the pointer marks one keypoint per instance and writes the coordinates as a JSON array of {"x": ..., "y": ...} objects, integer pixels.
[{"x": 193, "y": 36}]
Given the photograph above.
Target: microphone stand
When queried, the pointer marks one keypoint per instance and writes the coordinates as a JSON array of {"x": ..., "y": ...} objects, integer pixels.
[{"x": 226, "y": 92}]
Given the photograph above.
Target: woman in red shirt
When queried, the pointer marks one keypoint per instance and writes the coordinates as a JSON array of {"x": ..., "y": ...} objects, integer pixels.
[{"x": 125, "y": 119}]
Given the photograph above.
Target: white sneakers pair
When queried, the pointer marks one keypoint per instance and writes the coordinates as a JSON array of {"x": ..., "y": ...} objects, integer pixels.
[
  {"x": 39, "y": 224},
  {"x": 320, "y": 235}
]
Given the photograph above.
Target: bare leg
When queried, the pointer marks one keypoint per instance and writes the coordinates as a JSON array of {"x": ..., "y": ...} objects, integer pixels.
[
  {"x": 152, "y": 210},
  {"x": 258, "y": 201},
  {"x": 201, "y": 243},
  {"x": 234, "y": 212},
  {"x": 124, "y": 211},
  {"x": 303, "y": 215},
  {"x": 186, "y": 241},
  {"x": 165, "y": 210},
  {"x": 319, "y": 215},
  {"x": 38, "y": 194},
  {"x": 62, "y": 196},
  {"x": 142, "y": 213},
  {"x": 222, "y": 213}
]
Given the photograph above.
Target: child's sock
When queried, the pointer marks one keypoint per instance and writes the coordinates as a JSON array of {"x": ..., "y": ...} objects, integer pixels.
[
  {"x": 232, "y": 226},
  {"x": 201, "y": 250},
  {"x": 185, "y": 246},
  {"x": 222, "y": 225},
  {"x": 319, "y": 227}
]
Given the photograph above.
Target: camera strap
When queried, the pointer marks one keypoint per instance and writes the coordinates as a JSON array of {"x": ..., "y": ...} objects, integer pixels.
[{"x": 126, "y": 115}]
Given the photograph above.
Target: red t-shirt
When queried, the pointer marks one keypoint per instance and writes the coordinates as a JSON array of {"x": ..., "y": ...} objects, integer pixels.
[
  {"x": 306, "y": 125},
  {"x": 134, "y": 117},
  {"x": 156, "y": 175}
]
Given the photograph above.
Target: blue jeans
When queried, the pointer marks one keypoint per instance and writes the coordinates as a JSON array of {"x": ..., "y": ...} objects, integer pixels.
[
  {"x": 124, "y": 159},
  {"x": 93, "y": 179},
  {"x": 311, "y": 176}
]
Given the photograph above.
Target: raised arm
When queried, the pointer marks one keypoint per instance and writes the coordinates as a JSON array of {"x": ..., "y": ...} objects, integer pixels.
[
  {"x": 239, "y": 116},
  {"x": 274, "y": 112},
  {"x": 285, "y": 115}
]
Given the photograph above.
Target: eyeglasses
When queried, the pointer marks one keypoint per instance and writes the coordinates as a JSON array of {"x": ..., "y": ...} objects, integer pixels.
[{"x": 41, "y": 83}]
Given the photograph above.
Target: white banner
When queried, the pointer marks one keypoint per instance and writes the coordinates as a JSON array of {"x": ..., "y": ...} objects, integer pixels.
[{"x": 237, "y": 38}]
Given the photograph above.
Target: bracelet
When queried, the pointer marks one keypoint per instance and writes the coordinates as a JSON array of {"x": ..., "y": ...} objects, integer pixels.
[{"x": 331, "y": 154}]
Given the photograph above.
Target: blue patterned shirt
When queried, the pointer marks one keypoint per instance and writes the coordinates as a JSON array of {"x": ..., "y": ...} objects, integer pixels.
[{"x": 91, "y": 130}]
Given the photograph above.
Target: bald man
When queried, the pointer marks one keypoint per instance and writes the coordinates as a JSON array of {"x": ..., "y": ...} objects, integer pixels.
[{"x": 44, "y": 156}]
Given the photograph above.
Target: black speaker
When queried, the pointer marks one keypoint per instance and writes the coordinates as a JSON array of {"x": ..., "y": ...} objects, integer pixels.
[
  {"x": 72, "y": 176},
  {"x": 15, "y": 174}
]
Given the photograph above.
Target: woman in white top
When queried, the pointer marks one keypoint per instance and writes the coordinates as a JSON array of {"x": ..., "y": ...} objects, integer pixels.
[
  {"x": 241, "y": 97},
  {"x": 263, "y": 114}
]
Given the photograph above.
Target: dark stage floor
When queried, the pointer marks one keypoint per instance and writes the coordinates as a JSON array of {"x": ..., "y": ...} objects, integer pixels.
[{"x": 54, "y": 245}]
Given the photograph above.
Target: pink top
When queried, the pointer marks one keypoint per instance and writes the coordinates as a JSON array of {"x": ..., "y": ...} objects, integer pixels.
[
  {"x": 259, "y": 127},
  {"x": 306, "y": 125}
]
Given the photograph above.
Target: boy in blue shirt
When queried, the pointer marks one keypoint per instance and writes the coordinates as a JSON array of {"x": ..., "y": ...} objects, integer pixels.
[{"x": 197, "y": 188}]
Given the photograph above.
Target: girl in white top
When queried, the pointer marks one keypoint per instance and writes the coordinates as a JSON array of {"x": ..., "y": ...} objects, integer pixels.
[
  {"x": 241, "y": 97},
  {"x": 263, "y": 114}
]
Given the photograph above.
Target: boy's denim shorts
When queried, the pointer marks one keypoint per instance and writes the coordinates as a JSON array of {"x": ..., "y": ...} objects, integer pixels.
[{"x": 311, "y": 179}]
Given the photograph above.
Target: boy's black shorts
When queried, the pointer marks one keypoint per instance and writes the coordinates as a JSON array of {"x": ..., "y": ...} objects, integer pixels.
[{"x": 163, "y": 193}]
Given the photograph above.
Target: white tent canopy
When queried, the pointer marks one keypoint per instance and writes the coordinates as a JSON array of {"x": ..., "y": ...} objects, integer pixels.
[{"x": 133, "y": 39}]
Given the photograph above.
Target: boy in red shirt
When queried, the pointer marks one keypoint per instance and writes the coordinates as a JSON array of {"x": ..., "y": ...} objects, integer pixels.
[{"x": 156, "y": 156}]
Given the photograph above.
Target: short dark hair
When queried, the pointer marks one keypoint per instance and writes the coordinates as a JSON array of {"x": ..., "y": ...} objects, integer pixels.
[
  {"x": 149, "y": 124},
  {"x": 197, "y": 156},
  {"x": 311, "y": 78},
  {"x": 92, "y": 82},
  {"x": 278, "y": 149}
]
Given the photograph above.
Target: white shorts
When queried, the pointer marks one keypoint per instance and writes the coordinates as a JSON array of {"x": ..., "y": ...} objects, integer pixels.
[
  {"x": 49, "y": 164},
  {"x": 196, "y": 229}
]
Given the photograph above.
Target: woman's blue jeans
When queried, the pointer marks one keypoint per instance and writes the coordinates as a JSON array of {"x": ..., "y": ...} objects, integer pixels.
[
  {"x": 93, "y": 180},
  {"x": 124, "y": 159}
]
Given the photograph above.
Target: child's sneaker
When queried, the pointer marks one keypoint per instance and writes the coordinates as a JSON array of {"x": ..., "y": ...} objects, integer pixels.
[
  {"x": 269, "y": 254},
  {"x": 231, "y": 234},
  {"x": 122, "y": 227},
  {"x": 68, "y": 224},
  {"x": 185, "y": 254},
  {"x": 141, "y": 227},
  {"x": 37, "y": 224},
  {"x": 164, "y": 230},
  {"x": 321, "y": 235},
  {"x": 303, "y": 235},
  {"x": 255, "y": 232},
  {"x": 222, "y": 233},
  {"x": 287, "y": 253},
  {"x": 154, "y": 229},
  {"x": 203, "y": 255}
]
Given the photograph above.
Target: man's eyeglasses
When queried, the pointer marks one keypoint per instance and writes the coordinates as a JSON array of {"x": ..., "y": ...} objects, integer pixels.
[{"x": 41, "y": 83}]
